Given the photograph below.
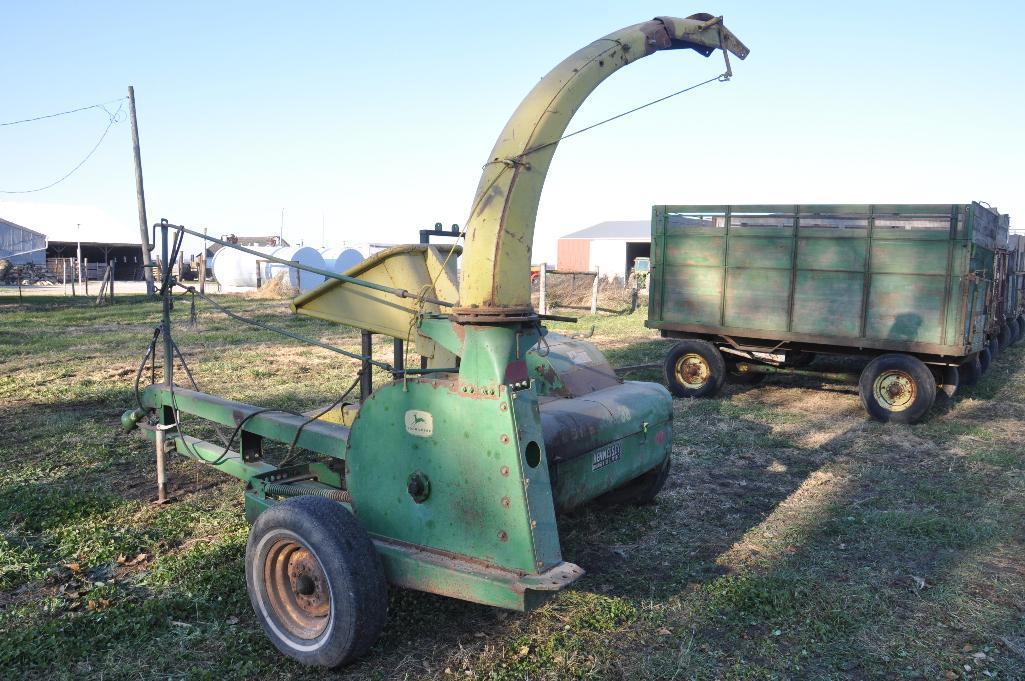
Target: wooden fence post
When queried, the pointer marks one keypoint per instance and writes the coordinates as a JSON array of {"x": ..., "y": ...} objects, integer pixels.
[
  {"x": 103, "y": 286},
  {"x": 594, "y": 291},
  {"x": 542, "y": 305},
  {"x": 202, "y": 272},
  {"x": 85, "y": 273}
]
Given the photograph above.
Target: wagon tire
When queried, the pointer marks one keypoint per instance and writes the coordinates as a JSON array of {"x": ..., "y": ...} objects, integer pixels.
[
  {"x": 741, "y": 377},
  {"x": 1013, "y": 331},
  {"x": 1021, "y": 327},
  {"x": 799, "y": 359},
  {"x": 641, "y": 490},
  {"x": 948, "y": 380},
  {"x": 897, "y": 388},
  {"x": 695, "y": 368},
  {"x": 315, "y": 581},
  {"x": 985, "y": 360},
  {"x": 971, "y": 370},
  {"x": 1004, "y": 337}
]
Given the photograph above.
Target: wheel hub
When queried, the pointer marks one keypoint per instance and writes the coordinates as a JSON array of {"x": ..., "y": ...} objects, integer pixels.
[
  {"x": 894, "y": 390},
  {"x": 692, "y": 370},
  {"x": 297, "y": 590}
]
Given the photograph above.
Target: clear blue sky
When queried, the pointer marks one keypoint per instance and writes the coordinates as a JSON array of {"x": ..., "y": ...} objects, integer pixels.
[{"x": 380, "y": 116}]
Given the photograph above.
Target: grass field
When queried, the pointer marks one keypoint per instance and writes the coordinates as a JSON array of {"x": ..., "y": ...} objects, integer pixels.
[{"x": 794, "y": 539}]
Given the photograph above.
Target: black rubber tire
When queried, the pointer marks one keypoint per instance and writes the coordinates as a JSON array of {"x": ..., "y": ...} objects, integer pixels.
[
  {"x": 971, "y": 370},
  {"x": 1012, "y": 329},
  {"x": 948, "y": 380},
  {"x": 713, "y": 360},
  {"x": 1021, "y": 327},
  {"x": 738, "y": 378},
  {"x": 994, "y": 348},
  {"x": 1004, "y": 337},
  {"x": 355, "y": 581},
  {"x": 641, "y": 490},
  {"x": 799, "y": 359},
  {"x": 910, "y": 368},
  {"x": 985, "y": 360}
]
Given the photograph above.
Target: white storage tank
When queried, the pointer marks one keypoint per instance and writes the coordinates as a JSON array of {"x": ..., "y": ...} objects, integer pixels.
[
  {"x": 232, "y": 267},
  {"x": 341, "y": 259},
  {"x": 304, "y": 255}
]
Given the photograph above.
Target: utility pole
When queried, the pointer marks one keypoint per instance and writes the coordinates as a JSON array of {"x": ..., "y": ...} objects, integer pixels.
[{"x": 140, "y": 196}]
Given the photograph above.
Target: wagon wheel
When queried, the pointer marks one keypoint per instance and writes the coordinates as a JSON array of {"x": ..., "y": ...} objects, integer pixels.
[
  {"x": 994, "y": 348},
  {"x": 1004, "y": 337},
  {"x": 897, "y": 388},
  {"x": 734, "y": 375},
  {"x": 985, "y": 360},
  {"x": 315, "y": 581},
  {"x": 799, "y": 359},
  {"x": 694, "y": 368}
]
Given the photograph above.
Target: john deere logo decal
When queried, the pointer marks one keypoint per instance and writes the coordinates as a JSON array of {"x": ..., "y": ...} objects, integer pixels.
[{"x": 419, "y": 423}]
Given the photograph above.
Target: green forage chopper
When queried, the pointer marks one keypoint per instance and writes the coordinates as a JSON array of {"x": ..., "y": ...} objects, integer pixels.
[{"x": 447, "y": 478}]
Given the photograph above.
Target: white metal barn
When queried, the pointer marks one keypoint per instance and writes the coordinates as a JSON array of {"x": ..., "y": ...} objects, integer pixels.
[{"x": 611, "y": 247}]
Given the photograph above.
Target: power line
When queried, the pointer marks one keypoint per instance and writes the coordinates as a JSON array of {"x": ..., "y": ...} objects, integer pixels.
[
  {"x": 114, "y": 118},
  {"x": 101, "y": 105}
]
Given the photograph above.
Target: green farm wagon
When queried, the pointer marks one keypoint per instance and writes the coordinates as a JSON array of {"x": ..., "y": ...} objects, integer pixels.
[{"x": 761, "y": 289}]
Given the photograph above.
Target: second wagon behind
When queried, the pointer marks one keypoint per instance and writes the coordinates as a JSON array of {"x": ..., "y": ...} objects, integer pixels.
[{"x": 758, "y": 289}]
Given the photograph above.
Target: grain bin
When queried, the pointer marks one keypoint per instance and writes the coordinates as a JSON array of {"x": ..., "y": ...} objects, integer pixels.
[
  {"x": 235, "y": 268},
  {"x": 304, "y": 255},
  {"x": 341, "y": 259}
]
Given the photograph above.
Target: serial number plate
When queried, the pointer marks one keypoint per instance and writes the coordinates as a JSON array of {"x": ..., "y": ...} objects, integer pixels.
[{"x": 606, "y": 455}]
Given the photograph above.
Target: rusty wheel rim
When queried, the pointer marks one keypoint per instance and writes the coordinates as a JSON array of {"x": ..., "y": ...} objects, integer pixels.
[
  {"x": 894, "y": 390},
  {"x": 298, "y": 595},
  {"x": 692, "y": 370}
]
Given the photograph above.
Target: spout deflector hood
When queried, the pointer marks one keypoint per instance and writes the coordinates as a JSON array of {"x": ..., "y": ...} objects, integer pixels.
[{"x": 494, "y": 282}]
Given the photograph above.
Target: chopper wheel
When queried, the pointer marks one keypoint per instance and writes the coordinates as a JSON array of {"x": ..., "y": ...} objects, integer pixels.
[
  {"x": 641, "y": 490},
  {"x": 694, "y": 368},
  {"x": 897, "y": 388},
  {"x": 315, "y": 581}
]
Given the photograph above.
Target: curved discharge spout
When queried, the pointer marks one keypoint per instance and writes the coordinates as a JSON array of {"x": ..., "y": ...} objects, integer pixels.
[{"x": 500, "y": 228}]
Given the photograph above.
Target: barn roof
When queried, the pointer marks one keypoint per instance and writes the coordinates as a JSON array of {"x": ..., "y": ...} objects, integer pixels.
[
  {"x": 630, "y": 230},
  {"x": 11, "y": 225},
  {"x": 626, "y": 230},
  {"x": 60, "y": 222}
]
